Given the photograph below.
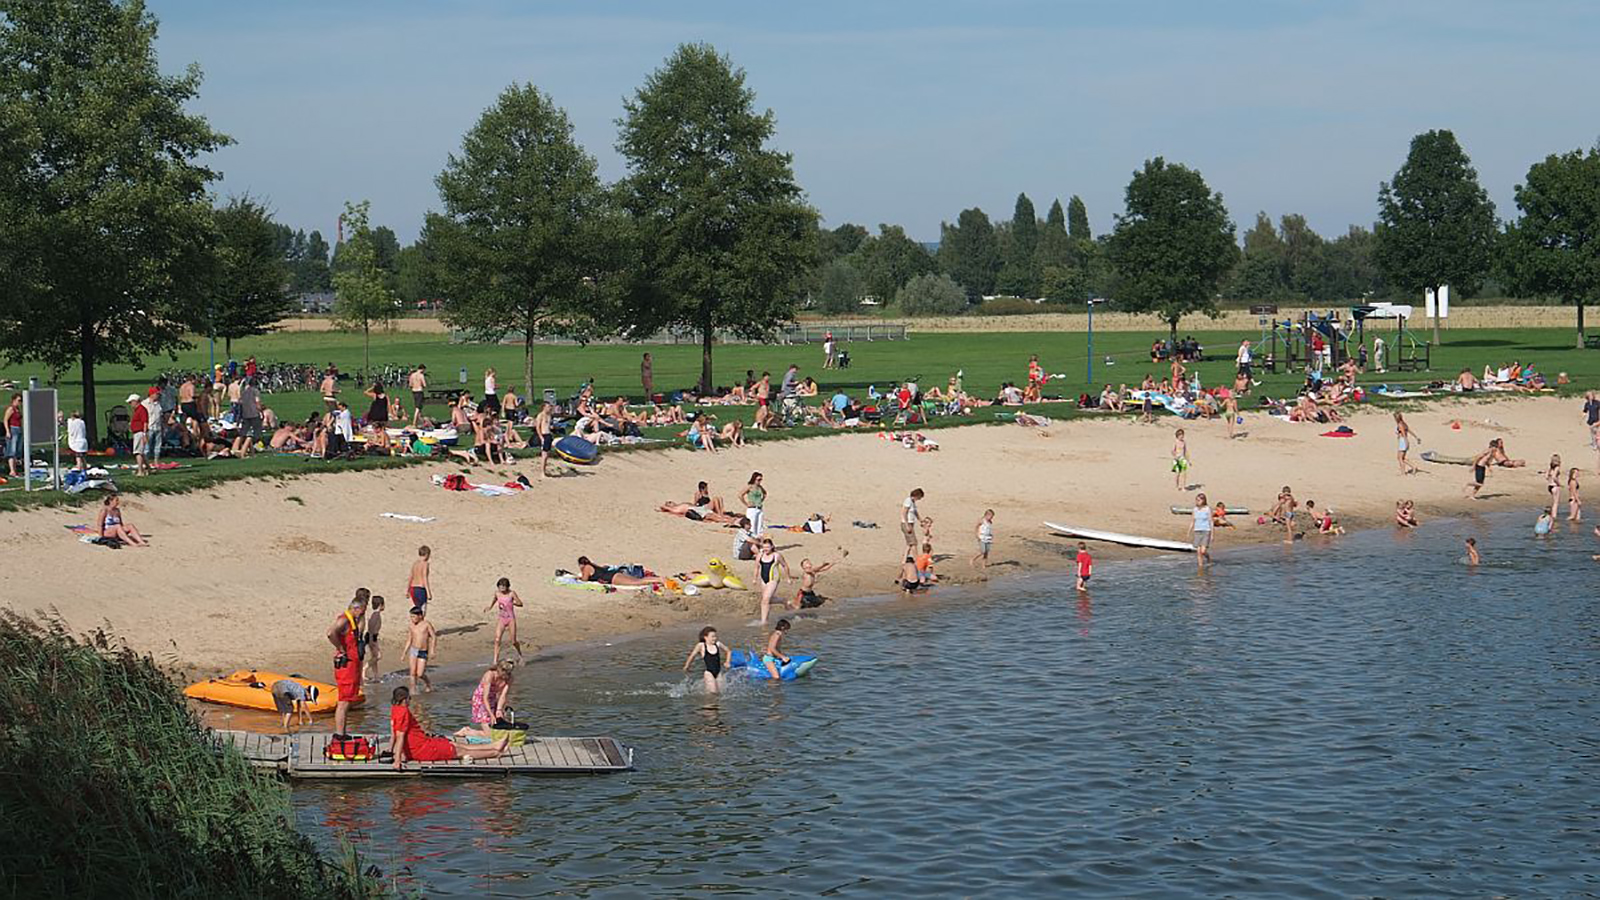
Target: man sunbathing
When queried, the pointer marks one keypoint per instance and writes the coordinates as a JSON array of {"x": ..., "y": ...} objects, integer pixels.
[
  {"x": 695, "y": 513},
  {"x": 614, "y": 575}
]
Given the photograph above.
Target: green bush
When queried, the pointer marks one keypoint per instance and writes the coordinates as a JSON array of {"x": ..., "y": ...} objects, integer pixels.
[
  {"x": 931, "y": 295},
  {"x": 111, "y": 787}
]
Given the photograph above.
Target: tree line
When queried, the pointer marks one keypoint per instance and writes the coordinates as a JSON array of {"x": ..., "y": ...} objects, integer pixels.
[{"x": 113, "y": 249}]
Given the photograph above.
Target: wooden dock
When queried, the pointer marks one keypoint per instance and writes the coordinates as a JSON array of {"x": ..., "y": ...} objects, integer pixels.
[{"x": 302, "y": 756}]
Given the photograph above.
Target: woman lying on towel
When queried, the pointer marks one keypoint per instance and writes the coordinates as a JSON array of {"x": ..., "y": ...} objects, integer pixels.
[{"x": 588, "y": 571}]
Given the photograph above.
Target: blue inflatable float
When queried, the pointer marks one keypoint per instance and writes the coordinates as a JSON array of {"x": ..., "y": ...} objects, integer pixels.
[
  {"x": 575, "y": 449},
  {"x": 750, "y": 664}
]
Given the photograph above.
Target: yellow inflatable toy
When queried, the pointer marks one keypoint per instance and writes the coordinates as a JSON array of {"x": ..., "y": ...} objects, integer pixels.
[{"x": 717, "y": 575}]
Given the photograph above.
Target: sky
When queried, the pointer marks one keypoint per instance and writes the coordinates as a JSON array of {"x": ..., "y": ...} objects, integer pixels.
[{"x": 908, "y": 112}]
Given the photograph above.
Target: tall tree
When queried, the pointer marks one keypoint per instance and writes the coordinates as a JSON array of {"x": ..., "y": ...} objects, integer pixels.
[
  {"x": 1018, "y": 274},
  {"x": 969, "y": 253},
  {"x": 1055, "y": 246},
  {"x": 1352, "y": 271},
  {"x": 1173, "y": 243},
  {"x": 519, "y": 247},
  {"x": 889, "y": 260},
  {"x": 724, "y": 235},
  {"x": 841, "y": 287},
  {"x": 103, "y": 206},
  {"x": 312, "y": 273},
  {"x": 1553, "y": 249},
  {"x": 841, "y": 241},
  {"x": 1436, "y": 225},
  {"x": 250, "y": 294},
  {"x": 1078, "y": 220},
  {"x": 363, "y": 296}
]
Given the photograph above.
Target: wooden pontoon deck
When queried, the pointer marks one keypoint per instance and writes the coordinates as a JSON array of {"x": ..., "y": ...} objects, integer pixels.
[{"x": 301, "y": 756}]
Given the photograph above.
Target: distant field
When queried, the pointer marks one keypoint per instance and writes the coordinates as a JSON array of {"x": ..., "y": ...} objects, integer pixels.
[{"x": 987, "y": 359}]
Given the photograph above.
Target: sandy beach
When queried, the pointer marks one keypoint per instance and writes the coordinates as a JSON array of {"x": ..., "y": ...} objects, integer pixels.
[{"x": 253, "y": 573}]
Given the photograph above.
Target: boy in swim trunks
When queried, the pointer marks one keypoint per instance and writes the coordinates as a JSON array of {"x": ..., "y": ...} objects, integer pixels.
[
  {"x": 369, "y": 639},
  {"x": 807, "y": 598},
  {"x": 545, "y": 436},
  {"x": 417, "y": 587},
  {"x": 1085, "y": 567},
  {"x": 774, "y": 656},
  {"x": 910, "y": 582},
  {"x": 421, "y": 641}
]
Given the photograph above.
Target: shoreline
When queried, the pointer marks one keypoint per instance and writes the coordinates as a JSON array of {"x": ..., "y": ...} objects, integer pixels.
[{"x": 252, "y": 573}]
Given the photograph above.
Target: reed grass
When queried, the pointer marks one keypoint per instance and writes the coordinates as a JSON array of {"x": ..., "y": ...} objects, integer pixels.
[{"x": 109, "y": 786}]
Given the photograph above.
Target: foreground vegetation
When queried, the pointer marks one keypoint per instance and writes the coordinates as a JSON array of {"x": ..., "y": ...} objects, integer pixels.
[{"x": 111, "y": 787}]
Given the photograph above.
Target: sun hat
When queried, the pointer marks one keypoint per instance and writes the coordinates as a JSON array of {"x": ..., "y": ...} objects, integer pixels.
[{"x": 132, "y": 398}]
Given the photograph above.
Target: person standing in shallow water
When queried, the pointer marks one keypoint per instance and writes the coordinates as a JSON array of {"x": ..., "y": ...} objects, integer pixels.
[
  {"x": 1200, "y": 531},
  {"x": 714, "y": 654},
  {"x": 345, "y": 636}
]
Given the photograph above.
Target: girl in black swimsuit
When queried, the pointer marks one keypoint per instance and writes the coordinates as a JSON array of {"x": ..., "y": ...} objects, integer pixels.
[{"x": 712, "y": 653}]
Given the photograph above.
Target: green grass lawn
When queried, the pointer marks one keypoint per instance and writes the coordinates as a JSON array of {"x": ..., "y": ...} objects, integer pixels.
[{"x": 987, "y": 360}]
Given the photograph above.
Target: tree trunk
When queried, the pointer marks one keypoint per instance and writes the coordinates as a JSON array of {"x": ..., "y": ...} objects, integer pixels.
[
  {"x": 91, "y": 416},
  {"x": 527, "y": 366},
  {"x": 706, "y": 333},
  {"x": 227, "y": 347},
  {"x": 1172, "y": 324},
  {"x": 1580, "y": 325},
  {"x": 366, "y": 349}
]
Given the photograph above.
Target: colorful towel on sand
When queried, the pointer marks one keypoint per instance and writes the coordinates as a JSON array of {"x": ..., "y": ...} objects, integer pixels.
[{"x": 1341, "y": 431}]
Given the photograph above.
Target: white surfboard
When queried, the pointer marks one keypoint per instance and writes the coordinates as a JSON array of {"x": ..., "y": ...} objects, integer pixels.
[{"x": 1127, "y": 540}]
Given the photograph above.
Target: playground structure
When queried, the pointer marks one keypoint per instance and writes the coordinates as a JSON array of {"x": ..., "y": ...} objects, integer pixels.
[{"x": 1325, "y": 341}]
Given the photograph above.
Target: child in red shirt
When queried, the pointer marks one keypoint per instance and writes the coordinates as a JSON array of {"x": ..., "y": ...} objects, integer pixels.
[{"x": 1085, "y": 566}]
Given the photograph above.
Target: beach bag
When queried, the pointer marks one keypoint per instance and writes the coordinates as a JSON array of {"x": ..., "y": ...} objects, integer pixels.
[
  {"x": 515, "y": 733},
  {"x": 353, "y": 749}
]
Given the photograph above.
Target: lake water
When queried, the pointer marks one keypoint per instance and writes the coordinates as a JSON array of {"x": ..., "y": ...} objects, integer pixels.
[{"x": 1364, "y": 716}]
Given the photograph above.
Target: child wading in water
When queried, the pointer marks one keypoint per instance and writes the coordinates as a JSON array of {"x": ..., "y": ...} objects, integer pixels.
[
  {"x": 1574, "y": 503},
  {"x": 418, "y": 588},
  {"x": 373, "y": 650},
  {"x": 1085, "y": 566},
  {"x": 1180, "y": 461},
  {"x": 421, "y": 641},
  {"x": 774, "y": 656},
  {"x": 1472, "y": 552},
  {"x": 506, "y": 601},
  {"x": 715, "y": 655},
  {"x": 985, "y": 541}
]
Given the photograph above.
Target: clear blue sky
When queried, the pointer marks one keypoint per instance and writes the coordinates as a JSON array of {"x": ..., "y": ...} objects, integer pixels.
[{"x": 908, "y": 112}]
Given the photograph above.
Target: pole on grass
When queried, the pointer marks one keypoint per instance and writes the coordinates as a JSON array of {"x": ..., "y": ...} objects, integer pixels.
[{"x": 1090, "y": 379}]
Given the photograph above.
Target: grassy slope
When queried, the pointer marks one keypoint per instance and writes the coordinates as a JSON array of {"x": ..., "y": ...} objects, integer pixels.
[{"x": 987, "y": 359}]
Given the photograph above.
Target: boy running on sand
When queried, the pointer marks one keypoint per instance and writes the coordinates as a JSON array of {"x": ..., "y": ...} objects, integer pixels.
[
  {"x": 506, "y": 601},
  {"x": 1180, "y": 461},
  {"x": 418, "y": 587},
  {"x": 372, "y": 649},
  {"x": 1085, "y": 567},
  {"x": 421, "y": 641},
  {"x": 985, "y": 541}
]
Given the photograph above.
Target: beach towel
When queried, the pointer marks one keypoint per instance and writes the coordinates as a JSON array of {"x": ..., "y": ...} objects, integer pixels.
[
  {"x": 421, "y": 520},
  {"x": 1341, "y": 431}
]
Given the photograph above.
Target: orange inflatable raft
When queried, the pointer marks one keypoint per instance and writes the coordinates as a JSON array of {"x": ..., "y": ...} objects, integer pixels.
[{"x": 252, "y": 689}]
